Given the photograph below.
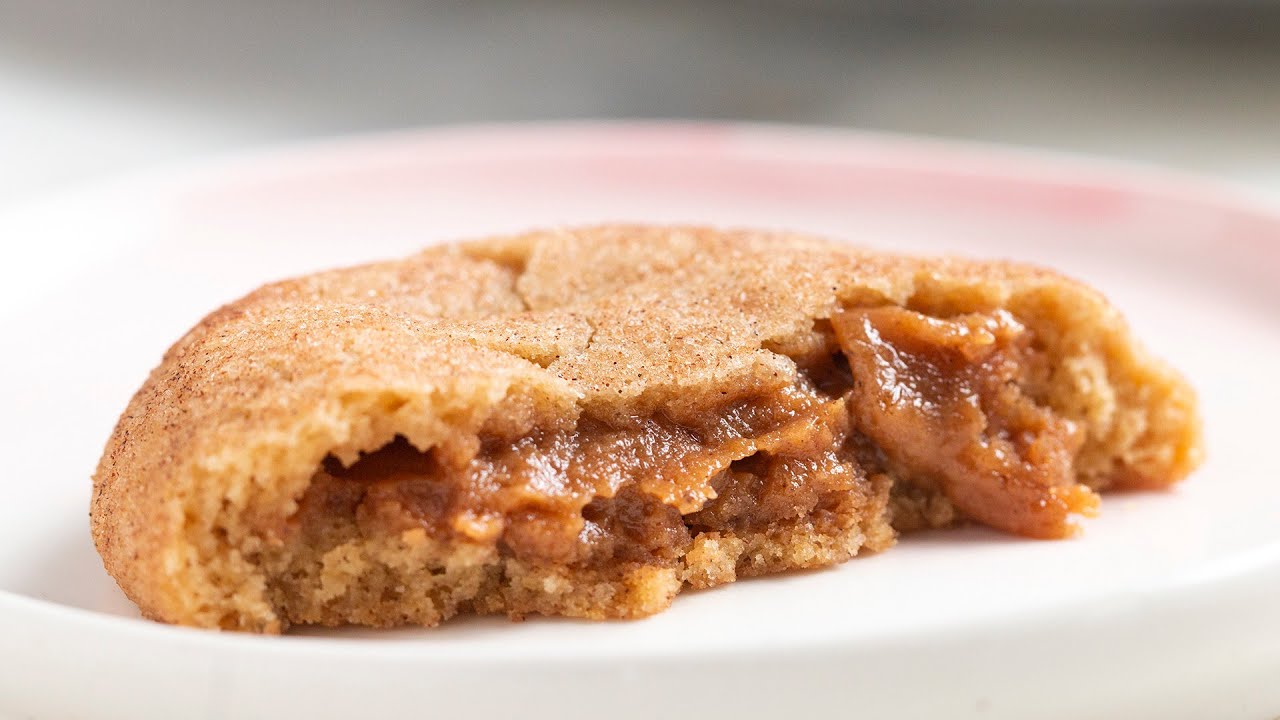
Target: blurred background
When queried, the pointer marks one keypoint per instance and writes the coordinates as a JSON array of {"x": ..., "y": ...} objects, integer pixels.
[{"x": 90, "y": 88}]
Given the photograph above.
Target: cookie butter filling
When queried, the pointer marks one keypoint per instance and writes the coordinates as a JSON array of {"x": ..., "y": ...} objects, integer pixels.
[
  {"x": 947, "y": 403},
  {"x": 602, "y": 494},
  {"x": 942, "y": 409}
]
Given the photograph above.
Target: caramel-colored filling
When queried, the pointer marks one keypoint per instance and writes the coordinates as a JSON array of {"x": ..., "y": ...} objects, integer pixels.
[
  {"x": 944, "y": 401},
  {"x": 602, "y": 493},
  {"x": 935, "y": 403}
]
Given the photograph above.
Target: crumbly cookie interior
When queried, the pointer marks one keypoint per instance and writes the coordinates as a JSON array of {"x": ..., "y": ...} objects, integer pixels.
[{"x": 936, "y": 418}]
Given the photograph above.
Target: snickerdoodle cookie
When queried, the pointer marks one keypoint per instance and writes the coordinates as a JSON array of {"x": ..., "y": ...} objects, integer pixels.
[{"x": 583, "y": 422}]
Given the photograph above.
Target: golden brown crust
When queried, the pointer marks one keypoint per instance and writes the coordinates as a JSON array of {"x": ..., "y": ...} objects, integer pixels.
[{"x": 503, "y": 336}]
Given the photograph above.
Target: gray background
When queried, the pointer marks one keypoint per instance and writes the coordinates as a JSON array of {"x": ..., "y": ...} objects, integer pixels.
[{"x": 93, "y": 88}]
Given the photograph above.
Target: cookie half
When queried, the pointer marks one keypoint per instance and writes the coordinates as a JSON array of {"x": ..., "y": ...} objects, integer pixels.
[{"x": 583, "y": 422}]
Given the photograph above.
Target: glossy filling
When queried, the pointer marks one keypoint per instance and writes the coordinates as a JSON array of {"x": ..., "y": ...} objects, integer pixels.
[
  {"x": 946, "y": 403},
  {"x": 937, "y": 404}
]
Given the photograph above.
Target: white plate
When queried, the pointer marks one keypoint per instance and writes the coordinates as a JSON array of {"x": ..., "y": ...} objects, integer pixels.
[{"x": 1166, "y": 607}]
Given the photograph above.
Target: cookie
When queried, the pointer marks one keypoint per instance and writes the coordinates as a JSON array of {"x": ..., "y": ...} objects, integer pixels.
[{"x": 586, "y": 421}]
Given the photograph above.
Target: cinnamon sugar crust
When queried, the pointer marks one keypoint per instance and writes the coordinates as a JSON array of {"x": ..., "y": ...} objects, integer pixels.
[{"x": 584, "y": 422}]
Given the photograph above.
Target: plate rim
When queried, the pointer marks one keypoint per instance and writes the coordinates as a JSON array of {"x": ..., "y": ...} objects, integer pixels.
[{"x": 1045, "y": 168}]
